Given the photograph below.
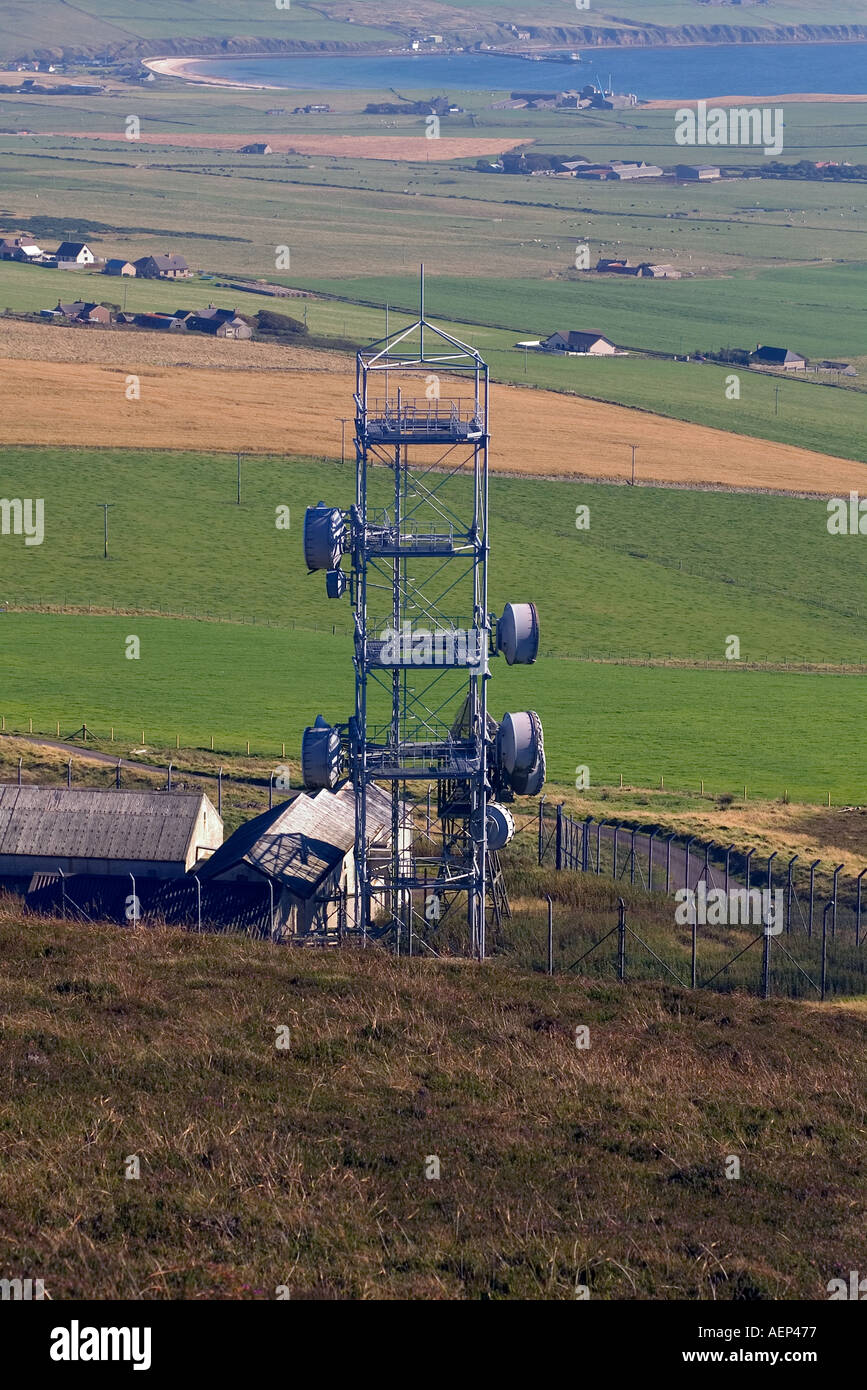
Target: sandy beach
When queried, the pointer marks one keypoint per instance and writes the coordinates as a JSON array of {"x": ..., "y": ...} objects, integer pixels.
[{"x": 185, "y": 69}]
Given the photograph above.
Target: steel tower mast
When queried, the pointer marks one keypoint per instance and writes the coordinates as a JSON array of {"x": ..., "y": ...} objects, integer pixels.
[{"x": 417, "y": 539}]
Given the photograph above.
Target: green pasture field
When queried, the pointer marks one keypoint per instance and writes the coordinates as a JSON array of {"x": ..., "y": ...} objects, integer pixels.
[
  {"x": 774, "y": 733},
  {"x": 815, "y": 309},
  {"x": 364, "y": 218},
  {"x": 661, "y": 572},
  {"x": 97, "y": 23}
]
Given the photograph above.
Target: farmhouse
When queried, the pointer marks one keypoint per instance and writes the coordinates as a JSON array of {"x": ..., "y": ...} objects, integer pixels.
[
  {"x": 304, "y": 848},
  {"x": 778, "y": 357},
  {"x": 119, "y": 267},
  {"x": 85, "y": 831},
  {"x": 161, "y": 323},
  {"x": 591, "y": 344},
  {"x": 80, "y": 312},
  {"x": 604, "y": 266},
  {"x": 74, "y": 253},
  {"x": 220, "y": 323},
  {"x": 165, "y": 267},
  {"x": 255, "y": 149},
  {"x": 19, "y": 248}
]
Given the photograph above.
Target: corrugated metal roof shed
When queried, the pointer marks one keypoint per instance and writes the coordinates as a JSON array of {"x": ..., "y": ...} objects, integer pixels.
[
  {"x": 84, "y": 823},
  {"x": 300, "y": 842}
]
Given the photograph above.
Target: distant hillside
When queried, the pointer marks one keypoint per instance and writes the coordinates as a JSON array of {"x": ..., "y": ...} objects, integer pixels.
[
  {"x": 305, "y": 1166},
  {"x": 50, "y": 29}
]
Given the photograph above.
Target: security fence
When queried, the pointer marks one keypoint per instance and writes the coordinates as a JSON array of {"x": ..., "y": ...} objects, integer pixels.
[{"x": 733, "y": 919}]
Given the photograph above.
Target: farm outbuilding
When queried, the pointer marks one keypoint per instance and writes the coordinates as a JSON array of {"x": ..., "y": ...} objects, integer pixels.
[
  {"x": 118, "y": 266},
  {"x": 778, "y": 357},
  {"x": 167, "y": 267},
  {"x": 80, "y": 830},
  {"x": 304, "y": 848},
  {"x": 593, "y": 343}
]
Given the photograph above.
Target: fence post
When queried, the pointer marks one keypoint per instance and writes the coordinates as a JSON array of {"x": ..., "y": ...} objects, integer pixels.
[
  {"x": 20, "y": 761},
  {"x": 650, "y": 840},
  {"x": 69, "y": 772},
  {"x": 198, "y": 900},
  {"x": 766, "y": 959},
  {"x": 220, "y": 792},
  {"x": 614, "y": 866},
  {"x": 689, "y": 845},
  {"x": 632, "y": 857},
  {"x": 558, "y": 853},
  {"x": 117, "y": 775},
  {"x": 749, "y": 859},
  {"x": 789, "y": 891},
  {"x": 858, "y": 909},
  {"x": 771, "y": 858},
  {"x": 834, "y": 900},
  {"x": 599, "y": 846},
  {"x": 541, "y": 825},
  {"x": 621, "y": 940},
  {"x": 271, "y": 792},
  {"x": 812, "y": 895},
  {"x": 825, "y": 949},
  {"x": 550, "y": 934},
  {"x": 668, "y": 863},
  {"x": 169, "y": 778},
  {"x": 585, "y": 845},
  {"x": 729, "y": 849}
]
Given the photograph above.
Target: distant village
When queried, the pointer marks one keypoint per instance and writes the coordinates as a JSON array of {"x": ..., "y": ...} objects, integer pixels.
[
  {"x": 80, "y": 313},
  {"x": 227, "y": 323}
]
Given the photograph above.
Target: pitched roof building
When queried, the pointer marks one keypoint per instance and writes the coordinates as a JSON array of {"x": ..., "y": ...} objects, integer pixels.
[
  {"x": 76, "y": 251},
  {"x": 80, "y": 312},
  {"x": 778, "y": 357},
  {"x": 164, "y": 267},
  {"x": 80, "y": 830},
  {"x": 596, "y": 344},
  {"x": 304, "y": 847}
]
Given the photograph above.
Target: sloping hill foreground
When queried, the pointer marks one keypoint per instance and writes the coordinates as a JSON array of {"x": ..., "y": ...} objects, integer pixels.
[{"x": 305, "y": 1166}]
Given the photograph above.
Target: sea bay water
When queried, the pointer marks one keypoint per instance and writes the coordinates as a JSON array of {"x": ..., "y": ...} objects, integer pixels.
[{"x": 652, "y": 73}]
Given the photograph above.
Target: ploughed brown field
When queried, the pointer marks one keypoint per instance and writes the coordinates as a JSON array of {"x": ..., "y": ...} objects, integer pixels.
[
  {"x": 397, "y": 147},
  {"x": 292, "y": 409}
]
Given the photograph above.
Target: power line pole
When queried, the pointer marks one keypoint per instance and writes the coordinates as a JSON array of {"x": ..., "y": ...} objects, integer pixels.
[
  {"x": 344, "y": 421},
  {"x": 633, "y": 447},
  {"x": 106, "y": 507},
  {"x": 239, "y": 480}
]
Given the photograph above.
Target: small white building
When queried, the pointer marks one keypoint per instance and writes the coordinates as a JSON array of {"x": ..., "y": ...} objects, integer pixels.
[{"x": 75, "y": 253}]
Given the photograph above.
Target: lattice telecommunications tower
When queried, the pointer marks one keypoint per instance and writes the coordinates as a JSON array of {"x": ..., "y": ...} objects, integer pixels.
[{"x": 416, "y": 540}]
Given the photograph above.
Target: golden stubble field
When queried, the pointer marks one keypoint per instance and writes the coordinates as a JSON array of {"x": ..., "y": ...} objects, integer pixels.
[
  {"x": 261, "y": 398},
  {"x": 390, "y": 147}
]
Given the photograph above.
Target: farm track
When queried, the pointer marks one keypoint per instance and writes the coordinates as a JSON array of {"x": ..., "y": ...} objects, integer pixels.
[{"x": 537, "y": 433}]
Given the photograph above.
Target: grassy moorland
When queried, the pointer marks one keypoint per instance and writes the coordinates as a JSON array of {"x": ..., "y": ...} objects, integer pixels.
[{"x": 263, "y": 1167}]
